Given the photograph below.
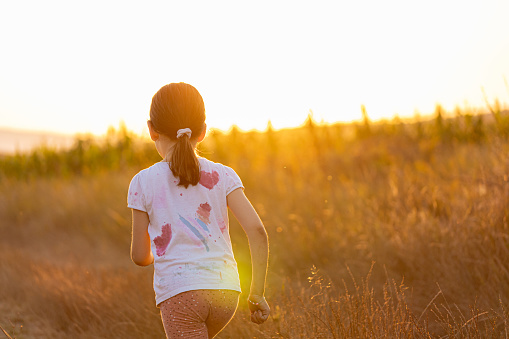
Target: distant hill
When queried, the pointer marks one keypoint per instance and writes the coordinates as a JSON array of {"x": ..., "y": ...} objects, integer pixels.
[{"x": 14, "y": 140}]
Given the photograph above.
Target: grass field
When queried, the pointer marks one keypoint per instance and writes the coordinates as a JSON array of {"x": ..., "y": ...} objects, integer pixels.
[{"x": 386, "y": 230}]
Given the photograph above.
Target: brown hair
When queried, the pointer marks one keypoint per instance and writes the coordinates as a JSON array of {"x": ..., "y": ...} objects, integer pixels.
[{"x": 176, "y": 106}]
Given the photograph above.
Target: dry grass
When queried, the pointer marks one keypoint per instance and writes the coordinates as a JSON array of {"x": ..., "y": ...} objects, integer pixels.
[{"x": 432, "y": 214}]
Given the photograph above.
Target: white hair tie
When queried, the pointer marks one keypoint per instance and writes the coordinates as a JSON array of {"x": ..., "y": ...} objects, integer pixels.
[{"x": 184, "y": 131}]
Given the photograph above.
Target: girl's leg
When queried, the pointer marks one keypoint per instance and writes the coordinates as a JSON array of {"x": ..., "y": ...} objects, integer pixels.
[
  {"x": 184, "y": 316},
  {"x": 198, "y": 314},
  {"x": 223, "y": 304}
]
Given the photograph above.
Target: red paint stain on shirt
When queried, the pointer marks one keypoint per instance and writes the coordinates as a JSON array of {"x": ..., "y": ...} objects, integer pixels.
[
  {"x": 222, "y": 225},
  {"x": 209, "y": 179},
  {"x": 163, "y": 240},
  {"x": 204, "y": 212}
]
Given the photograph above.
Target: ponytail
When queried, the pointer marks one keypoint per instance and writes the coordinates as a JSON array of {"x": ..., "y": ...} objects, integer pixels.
[
  {"x": 184, "y": 163},
  {"x": 177, "y": 111}
]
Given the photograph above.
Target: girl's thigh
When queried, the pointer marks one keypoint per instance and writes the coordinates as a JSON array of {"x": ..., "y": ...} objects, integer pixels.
[
  {"x": 199, "y": 313},
  {"x": 223, "y": 304}
]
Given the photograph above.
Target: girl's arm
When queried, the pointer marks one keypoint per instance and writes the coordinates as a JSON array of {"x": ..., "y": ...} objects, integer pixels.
[
  {"x": 259, "y": 248},
  {"x": 140, "y": 242}
]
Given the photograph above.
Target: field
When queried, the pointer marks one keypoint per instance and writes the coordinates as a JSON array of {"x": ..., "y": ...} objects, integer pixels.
[{"x": 377, "y": 230}]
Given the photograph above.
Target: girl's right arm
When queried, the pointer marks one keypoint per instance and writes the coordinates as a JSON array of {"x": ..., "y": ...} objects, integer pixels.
[
  {"x": 259, "y": 248},
  {"x": 140, "y": 241}
]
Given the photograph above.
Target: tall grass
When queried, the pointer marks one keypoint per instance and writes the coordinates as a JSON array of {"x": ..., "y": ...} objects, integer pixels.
[{"x": 377, "y": 230}]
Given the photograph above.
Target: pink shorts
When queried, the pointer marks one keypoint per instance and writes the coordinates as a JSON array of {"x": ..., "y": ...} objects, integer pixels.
[{"x": 199, "y": 313}]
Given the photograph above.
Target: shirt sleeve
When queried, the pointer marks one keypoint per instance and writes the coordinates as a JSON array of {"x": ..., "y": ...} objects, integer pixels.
[
  {"x": 232, "y": 180},
  {"x": 135, "y": 196}
]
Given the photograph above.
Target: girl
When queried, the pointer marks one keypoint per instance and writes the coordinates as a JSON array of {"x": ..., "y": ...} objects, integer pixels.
[{"x": 180, "y": 223}]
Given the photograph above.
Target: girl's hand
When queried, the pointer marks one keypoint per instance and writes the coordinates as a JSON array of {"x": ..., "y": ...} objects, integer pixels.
[{"x": 259, "y": 308}]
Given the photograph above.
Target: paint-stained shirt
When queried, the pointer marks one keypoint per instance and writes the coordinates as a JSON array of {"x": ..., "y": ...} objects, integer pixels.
[{"x": 188, "y": 228}]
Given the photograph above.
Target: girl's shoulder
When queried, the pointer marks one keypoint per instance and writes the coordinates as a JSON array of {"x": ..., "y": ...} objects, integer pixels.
[
  {"x": 208, "y": 165},
  {"x": 204, "y": 162},
  {"x": 213, "y": 173},
  {"x": 154, "y": 170}
]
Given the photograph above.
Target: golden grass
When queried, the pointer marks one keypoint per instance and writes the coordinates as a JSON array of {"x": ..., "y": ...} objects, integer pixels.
[{"x": 393, "y": 233}]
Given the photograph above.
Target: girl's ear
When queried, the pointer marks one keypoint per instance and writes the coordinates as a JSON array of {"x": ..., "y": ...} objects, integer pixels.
[
  {"x": 203, "y": 132},
  {"x": 153, "y": 134}
]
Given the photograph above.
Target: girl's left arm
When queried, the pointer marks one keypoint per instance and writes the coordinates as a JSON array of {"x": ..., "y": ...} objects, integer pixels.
[{"x": 140, "y": 242}]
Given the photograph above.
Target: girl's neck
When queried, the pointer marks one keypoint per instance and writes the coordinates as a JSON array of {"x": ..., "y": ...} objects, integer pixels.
[{"x": 164, "y": 146}]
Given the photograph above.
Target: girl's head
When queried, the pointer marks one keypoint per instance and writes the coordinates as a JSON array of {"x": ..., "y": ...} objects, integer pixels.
[{"x": 175, "y": 107}]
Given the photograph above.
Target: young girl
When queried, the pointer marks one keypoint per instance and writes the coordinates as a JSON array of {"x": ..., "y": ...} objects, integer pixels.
[{"x": 180, "y": 223}]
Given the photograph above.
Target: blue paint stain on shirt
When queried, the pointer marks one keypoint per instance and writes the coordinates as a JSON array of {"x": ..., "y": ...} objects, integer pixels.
[
  {"x": 195, "y": 231},
  {"x": 203, "y": 225}
]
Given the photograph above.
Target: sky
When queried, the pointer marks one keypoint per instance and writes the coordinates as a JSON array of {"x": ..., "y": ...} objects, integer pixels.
[{"x": 78, "y": 67}]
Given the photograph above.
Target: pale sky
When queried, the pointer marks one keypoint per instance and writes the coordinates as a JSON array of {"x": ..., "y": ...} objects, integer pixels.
[{"x": 83, "y": 66}]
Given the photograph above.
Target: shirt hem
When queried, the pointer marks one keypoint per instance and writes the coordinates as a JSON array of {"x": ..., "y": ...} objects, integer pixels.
[
  {"x": 234, "y": 188},
  {"x": 139, "y": 208},
  {"x": 174, "y": 292}
]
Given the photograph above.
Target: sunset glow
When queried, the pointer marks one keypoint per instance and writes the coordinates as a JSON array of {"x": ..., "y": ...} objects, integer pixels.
[{"x": 81, "y": 68}]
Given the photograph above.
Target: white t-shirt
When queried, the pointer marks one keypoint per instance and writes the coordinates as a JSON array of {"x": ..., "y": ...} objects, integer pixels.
[{"x": 188, "y": 228}]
